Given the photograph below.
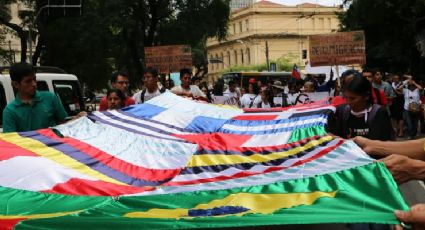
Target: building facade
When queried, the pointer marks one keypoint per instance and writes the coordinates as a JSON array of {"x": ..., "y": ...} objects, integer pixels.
[{"x": 284, "y": 29}]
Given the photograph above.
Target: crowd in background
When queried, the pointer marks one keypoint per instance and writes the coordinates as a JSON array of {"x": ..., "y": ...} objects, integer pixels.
[{"x": 396, "y": 94}]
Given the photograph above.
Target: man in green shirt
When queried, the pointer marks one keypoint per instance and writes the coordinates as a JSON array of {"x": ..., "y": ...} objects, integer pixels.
[{"x": 31, "y": 109}]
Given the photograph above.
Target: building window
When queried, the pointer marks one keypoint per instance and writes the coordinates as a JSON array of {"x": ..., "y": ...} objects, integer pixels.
[
  {"x": 321, "y": 23},
  {"x": 248, "y": 56},
  {"x": 228, "y": 58},
  {"x": 304, "y": 54},
  {"x": 314, "y": 23},
  {"x": 329, "y": 23},
  {"x": 216, "y": 58},
  {"x": 234, "y": 28},
  {"x": 240, "y": 27},
  {"x": 242, "y": 59},
  {"x": 235, "y": 53},
  {"x": 222, "y": 61},
  {"x": 212, "y": 64},
  {"x": 247, "y": 24}
]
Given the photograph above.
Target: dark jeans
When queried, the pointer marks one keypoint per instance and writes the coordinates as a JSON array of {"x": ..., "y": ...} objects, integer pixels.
[{"x": 411, "y": 122}]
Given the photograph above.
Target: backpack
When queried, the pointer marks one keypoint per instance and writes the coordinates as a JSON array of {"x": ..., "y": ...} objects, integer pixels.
[{"x": 142, "y": 95}]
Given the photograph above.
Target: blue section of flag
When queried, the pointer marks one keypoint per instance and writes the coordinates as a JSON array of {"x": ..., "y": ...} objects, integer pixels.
[
  {"x": 206, "y": 124},
  {"x": 144, "y": 110},
  {"x": 219, "y": 211}
]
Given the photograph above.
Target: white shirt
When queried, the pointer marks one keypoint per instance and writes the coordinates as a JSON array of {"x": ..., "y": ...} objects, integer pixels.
[
  {"x": 235, "y": 94},
  {"x": 194, "y": 90},
  {"x": 248, "y": 99},
  {"x": 265, "y": 106},
  {"x": 138, "y": 99},
  {"x": 411, "y": 96}
]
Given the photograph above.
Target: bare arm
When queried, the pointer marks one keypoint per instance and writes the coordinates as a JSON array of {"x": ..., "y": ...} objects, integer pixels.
[{"x": 413, "y": 149}]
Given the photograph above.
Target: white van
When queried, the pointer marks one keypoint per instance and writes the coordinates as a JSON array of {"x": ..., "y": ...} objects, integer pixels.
[{"x": 55, "y": 80}]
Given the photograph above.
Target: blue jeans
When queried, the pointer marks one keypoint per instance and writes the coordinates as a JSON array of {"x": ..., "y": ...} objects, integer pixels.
[{"x": 411, "y": 122}]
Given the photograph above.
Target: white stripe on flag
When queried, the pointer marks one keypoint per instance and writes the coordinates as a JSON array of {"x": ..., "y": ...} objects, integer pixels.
[
  {"x": 263, "y": 140},
  {"x": 140, "y": 150},
  {"x": 274, "y": 126},
  {"x": 35, "y": 173}
]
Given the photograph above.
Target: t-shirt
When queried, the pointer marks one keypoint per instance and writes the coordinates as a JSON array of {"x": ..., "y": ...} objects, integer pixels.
[
  {"x": 104, "y": 103},
  {"x": 265, "y": 106},
  {"x": 194, "y": 90},
  {"x": 138, "y": 99},
  {"x": 249, "y": 100},
  {"x": 411, "y": 96},
  {"x": 232, "y": 94},
  {"x": 357, "y": 126},
  {"x": 45, "y": 111}
]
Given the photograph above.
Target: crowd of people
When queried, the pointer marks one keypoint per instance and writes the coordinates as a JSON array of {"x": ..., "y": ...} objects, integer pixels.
[{"x": 375, "y": 110}]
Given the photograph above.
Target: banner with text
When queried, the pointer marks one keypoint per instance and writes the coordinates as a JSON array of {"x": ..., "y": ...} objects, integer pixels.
[
  {"x": 167, "y": 59},
  {"x": 344, "y": 48}
]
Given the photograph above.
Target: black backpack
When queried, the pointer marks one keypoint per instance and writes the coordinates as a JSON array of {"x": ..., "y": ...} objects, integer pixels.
[{"x": 142, "y": 95}]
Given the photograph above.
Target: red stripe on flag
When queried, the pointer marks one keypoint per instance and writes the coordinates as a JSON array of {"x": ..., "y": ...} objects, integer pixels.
[
  {"x": 113, "y": 162},
  {"x": 9, "y": 150},
  {"x": 254, "y": 117},
  {"x": 233, "y": 142},
  {"x": 83, "y": 187},
  {"x": 216, "y": 141},
  {"x": 247, "y": 174},
  {"x": 9, "y": 224}
]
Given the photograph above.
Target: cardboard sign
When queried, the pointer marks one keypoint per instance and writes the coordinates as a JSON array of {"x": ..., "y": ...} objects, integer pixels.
[
  {"x": 167, "y": 59},
  {"x": 344, "y": 48}
]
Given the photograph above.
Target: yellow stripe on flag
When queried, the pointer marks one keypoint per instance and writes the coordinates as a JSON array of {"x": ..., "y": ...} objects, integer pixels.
[
  {"x": 222, "y": 159},
  {"x": 38, "y": 216},
  {"x": 41, "y": 149}
]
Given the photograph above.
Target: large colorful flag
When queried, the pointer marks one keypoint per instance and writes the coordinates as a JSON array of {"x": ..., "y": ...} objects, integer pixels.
[{"x": 176, "y": 163}]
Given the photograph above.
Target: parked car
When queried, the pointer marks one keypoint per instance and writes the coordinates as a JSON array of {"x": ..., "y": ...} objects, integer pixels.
[{"x": 55, "y": 80}]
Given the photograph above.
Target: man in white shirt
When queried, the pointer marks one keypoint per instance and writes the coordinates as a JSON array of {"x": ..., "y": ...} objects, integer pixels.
[
  {"x": 186, "y": 89},
  {"x": 233, "y": 93},
  {"x": 150, "y": 81}
]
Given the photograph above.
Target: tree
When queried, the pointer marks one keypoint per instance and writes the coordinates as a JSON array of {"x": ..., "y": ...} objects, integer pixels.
[
  {"x": 390, "y": 29},
  {"x": 5, "y": 18}
]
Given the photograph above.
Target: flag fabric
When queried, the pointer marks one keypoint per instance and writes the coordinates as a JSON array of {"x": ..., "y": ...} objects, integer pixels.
[
  {"x": 176, "y": 163},
  {"x": 296, "y": 72}
]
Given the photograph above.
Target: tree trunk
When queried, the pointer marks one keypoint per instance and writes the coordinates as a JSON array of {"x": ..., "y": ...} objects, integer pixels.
[
  {"x": 21, "y": 34},
  {"x": 153, "y": 9},
  {"x": 38, "y": 49}
]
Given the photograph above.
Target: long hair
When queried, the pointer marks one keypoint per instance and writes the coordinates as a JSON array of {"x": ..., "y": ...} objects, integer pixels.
[
  {"x": 119, "y": 93},
  {"x": 360, "y": 86}
]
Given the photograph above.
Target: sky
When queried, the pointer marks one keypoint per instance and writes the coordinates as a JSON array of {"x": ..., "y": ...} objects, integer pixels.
[{"x": 321, "y": 2}]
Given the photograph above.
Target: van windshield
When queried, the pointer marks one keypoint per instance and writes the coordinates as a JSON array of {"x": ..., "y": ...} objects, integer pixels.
[{"x": 70, "y": 95}]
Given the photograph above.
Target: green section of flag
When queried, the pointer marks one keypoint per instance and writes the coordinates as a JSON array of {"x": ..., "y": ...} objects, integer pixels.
[
  {"x": 301, "y": 134},
  {"x": 14, "y": 202},
  {"x": 362, "y": 194}
]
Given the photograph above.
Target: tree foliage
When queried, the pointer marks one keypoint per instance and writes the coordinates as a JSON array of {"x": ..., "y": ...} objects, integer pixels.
[
  {"x": 391, "y": 29},
  {"x": 111, "y": 35}
]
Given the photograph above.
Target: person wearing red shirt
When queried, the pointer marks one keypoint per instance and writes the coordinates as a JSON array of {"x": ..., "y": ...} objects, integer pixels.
[
  {"x": 377, "y": 94},
  {"x": 119, "y": 80}
]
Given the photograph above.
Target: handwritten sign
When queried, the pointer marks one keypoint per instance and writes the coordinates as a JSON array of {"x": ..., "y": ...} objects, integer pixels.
[
  {"x": 344, "y": 48},
  {"x": 167, "y": 59}
]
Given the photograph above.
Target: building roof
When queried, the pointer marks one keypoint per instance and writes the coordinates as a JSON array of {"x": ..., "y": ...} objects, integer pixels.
[
  {"x": 265, "y": 3},
  {"x": 310, "y": 5}
]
